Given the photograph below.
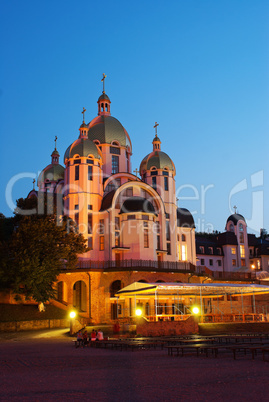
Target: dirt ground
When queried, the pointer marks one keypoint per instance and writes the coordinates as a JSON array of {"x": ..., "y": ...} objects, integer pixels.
[{"x": 45, "y": 366}]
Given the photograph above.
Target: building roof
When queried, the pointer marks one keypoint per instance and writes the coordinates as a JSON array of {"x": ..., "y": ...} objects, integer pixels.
[
  {"x": 103, "y": 97},
  {"x": 263, "y": 247},
  {"x": 226, "y": 238},
  {"x": 185, "y": 218},
  {"x": 52, "y": 172},
  {"x": 209, "y": 244},
  {"x": 107, "y": 200},
  {"x": 137, "y": 204},
  {"x": 235, "y": 218},
  {"x": 191, "y": 289},
  {"x": 252, "y": 240},
  {"x": 83, "y": 147},
  {"x": 107, "y": 129},
  {"x": 157, "y": 159}
]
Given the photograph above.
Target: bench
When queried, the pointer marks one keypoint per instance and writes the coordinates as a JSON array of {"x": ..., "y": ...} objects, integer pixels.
[{"x": 252, "y": 349}]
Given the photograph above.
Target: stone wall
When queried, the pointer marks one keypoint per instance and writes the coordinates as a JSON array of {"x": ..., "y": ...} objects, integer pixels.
[
  {"x": 35, "y": 325},
  {"x": 233, "y": 328},
  {"x": 167, "y": 328}
]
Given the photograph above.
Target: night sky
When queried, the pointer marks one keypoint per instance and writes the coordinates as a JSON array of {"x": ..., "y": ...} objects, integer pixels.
[{"x": 199, "y": 68}]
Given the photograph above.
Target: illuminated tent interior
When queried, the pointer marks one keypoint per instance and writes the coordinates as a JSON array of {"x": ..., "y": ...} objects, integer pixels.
[{"x": 175, "y": 301}]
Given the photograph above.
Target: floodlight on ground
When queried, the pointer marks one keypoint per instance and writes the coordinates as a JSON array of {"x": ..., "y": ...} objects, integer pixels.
[
  {"x": 138, "y": 312},
  {"x": 195, "y": 310},
  {"x": 72, "y": 314}
]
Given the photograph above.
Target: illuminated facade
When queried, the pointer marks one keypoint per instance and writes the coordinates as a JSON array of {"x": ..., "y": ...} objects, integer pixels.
[
  {"x": 132, "y": 225},
  {"x": 134, "y": 229}
]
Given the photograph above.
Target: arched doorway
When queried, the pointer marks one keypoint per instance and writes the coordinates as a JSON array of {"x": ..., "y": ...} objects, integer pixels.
[
  {"x": 115, "y": 307},
  {"x": 61, "y": 290},
  {"x": 80, "y": 296}
]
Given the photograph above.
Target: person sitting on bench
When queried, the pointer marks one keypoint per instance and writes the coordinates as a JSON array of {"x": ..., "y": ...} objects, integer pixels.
[{"x": 100, "y": 335}]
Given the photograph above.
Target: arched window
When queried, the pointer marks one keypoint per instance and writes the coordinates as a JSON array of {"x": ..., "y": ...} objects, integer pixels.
[
  {"x": 183, "y": 237},
  {"x": 142, "y": 281},
  {"x": 231, "y": 227},
  {"x": 241, "y": 227},
  {"x": 114, "y": 288}
]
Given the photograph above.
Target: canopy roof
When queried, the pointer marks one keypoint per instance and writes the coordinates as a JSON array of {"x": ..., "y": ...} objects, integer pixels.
[{"x": 191, "y": 289}]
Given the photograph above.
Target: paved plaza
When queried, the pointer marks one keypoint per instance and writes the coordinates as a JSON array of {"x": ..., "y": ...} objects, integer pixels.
[{"x": 45, "y": 366}]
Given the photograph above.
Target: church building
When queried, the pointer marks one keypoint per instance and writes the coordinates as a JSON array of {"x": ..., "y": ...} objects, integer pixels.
[{"x": 134, "y": 229}]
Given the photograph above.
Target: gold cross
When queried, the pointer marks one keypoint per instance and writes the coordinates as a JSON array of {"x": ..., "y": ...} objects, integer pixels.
[
  {"x": 83, "y": 111},
  {"x": 235, "y": 208},
  {"x": 103, "y": 79},
  {"x": 136, "y": 171},
  {"x": 56, "y": 138},
  {"x": 156, "y": 125}
]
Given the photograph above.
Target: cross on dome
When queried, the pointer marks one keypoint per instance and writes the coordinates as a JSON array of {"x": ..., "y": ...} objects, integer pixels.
[
  {"x": 55, "y": 140},
  {"x": 103, "y": 80},
  {"x": 156, "y": 125},
  {"x": 83, "y": 112}
]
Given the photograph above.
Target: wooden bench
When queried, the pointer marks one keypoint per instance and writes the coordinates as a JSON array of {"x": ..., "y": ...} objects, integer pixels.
[
  {"x": 77, "y": 343},
  {"x": 265, "y": 351},
  {"x": 252, "y": 349}
]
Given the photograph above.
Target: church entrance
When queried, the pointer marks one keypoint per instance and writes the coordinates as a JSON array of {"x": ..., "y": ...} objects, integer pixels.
[{"x": 80, "y": 296}]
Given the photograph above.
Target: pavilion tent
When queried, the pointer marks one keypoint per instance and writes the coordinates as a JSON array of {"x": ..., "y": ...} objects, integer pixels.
[{"x": 205, "y": 290}]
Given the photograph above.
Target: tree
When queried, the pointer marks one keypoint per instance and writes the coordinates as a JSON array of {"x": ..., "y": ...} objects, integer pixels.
[{"x": 39, "y": 248}]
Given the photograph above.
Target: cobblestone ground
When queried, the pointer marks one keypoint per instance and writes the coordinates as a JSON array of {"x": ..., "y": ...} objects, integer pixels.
[{"x": 45, "y": 366}]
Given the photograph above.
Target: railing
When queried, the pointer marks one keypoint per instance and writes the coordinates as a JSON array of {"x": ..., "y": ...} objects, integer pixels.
[
  {"x": 227, "y": 276},
  {"x": 235, "y": 276},
  {"x": 250, "y": 317},
  {"x": 138, "y": 265}
]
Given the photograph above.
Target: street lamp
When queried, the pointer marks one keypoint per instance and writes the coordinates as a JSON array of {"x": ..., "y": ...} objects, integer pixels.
[
  {"x": 72, "y": 315},
  {"x": 195, "y": 310},
  {"x": 138, "y": 312}
]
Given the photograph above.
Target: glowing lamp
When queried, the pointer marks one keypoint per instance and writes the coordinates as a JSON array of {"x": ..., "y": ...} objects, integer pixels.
[
  {"x": 195, "y": 310},
  {"x": 138, "y": 312},
  {"x": 252, "y": 266},
  {"x": 72, "y": 314}
]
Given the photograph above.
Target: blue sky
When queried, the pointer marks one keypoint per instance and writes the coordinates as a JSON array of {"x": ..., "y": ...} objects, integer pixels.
[{"x": 198, "y": 68}]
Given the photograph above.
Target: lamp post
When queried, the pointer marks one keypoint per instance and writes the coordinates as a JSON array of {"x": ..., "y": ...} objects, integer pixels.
[{"x": 72, "y": 315}]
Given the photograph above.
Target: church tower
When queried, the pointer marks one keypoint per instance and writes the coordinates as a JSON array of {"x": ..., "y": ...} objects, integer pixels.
[
  {"x": 111, "y": 138},
  {"x": 50, "y": 177},
  {"x": 158, "y": 170},
  {"x": 83, "y": 184}
]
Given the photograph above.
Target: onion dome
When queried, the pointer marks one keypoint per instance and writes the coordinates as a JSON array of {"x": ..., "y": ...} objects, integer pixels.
[
  {"x": 185, "y": 218},
  {"x": 53, "y": 172},
  {"x": 103, "y": 97},
  {"x": 83, "y": 147},
  {"x": 105, "y": 129},
  {"x": 137, "y": 204},
  {"x": 157, "y": 158},
  {"x": 156, "y": 139},
  {"x": 235, "y": 218},
  {"x": 160, "y": 160}
]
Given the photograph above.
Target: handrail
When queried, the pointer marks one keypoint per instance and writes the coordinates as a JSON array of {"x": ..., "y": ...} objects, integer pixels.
[{"x": 133, "y": 264}]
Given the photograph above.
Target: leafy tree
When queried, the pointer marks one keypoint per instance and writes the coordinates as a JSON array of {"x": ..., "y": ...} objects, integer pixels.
[{"x": 39, "y": 248}]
